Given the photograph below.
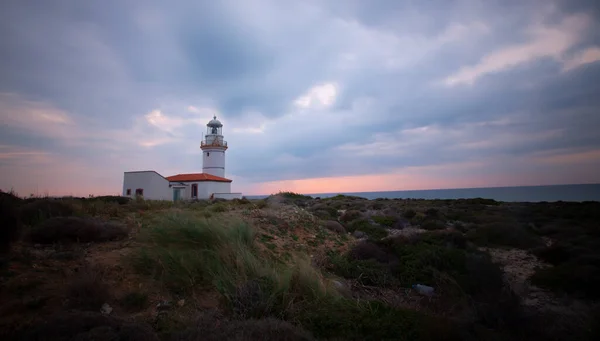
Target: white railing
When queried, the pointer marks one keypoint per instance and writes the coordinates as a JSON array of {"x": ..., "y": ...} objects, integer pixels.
[{"x": 214, "y": 143}]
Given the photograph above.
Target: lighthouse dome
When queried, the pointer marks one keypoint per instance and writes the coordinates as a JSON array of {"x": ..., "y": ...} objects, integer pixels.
[{"x": 214, "y": 123}]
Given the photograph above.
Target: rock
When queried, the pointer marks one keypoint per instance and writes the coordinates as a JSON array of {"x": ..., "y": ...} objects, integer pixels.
[
  {"x": 359, "y": 234},
  {"x": 106, "y": 309},
  {"x": 334, "y": 226}
]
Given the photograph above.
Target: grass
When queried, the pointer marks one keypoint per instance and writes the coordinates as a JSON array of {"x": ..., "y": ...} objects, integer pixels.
[{"x": 188, "y": 254}]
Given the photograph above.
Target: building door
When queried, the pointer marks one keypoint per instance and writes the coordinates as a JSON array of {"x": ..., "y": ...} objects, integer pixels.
[{"x": 176, "y": 194}]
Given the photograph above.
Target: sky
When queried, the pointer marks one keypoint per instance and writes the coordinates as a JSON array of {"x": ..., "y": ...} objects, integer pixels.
[{"x": 315, "y": 96}]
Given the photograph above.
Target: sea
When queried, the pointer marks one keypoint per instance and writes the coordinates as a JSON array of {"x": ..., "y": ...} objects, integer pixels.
[{"x": 576, "y": 193}]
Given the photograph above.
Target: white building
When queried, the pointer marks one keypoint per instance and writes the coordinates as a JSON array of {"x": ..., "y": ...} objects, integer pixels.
[{"x": 210, "y": 184}]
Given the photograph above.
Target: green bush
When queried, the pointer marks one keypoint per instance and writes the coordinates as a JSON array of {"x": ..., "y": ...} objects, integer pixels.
[
  {"x": 365, "y": 226},
  {"x": 387, "y": 221},
  {"x": 409, "y": 214},
  {"x": 574, "y": 278},
  {"x": 433, "y": 225},
  {"x": 505, "y": 235},
  {"x": 75, "y": 229},
  {"x": 134, "y": 301},
  {"x": 10, "y": 224},
  {"x": 260, "y": 204},
  {"x": 350, "y": 215},
  {"x": 371, "y": 320},
  {"x": 40, "y": 209},
  {"x": 220, "y": 208}
]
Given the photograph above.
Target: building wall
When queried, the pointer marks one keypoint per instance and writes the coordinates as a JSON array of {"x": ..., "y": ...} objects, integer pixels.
[
  {"x": 154, "y": 185},
  {"x": 228, "y": 196},
  {"x": 213, "y": 161},
  {"x": 205, "y": 189}
]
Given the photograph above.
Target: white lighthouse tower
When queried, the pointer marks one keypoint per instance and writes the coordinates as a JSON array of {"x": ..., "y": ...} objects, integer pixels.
[{"x": 213, "y": 147}]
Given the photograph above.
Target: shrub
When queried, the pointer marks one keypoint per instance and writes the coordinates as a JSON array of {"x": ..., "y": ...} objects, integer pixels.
[
  {"x": 388, "y": 221},
  {"x": 500, "y": 234},
  {"x": 211, "y": 326},
  {"x": 10, "y": 224},
  {"x": 87, "y": 290},
  {"x": 365, "y": 226},
  {"x": 242, "y": 201},
  {"x": 368, "y": 250},
  {"x": 134, "y": 301},
  {"x": 84, "y": 326},
  {"x": 292, "y": 195},
  {"x": 219, "y": 208},
  {"x": 350, "y": 215},
  {"x": 334, "y": 226},
  {"x": 409, "y": 214},
  {"x": 111, "y": 199},
  {"x": 41, "y": 209},
  {"x": 555, "y": 253},
  {"x": 261, "y": 204},
  {"x": 366, "y": 272},
  {"x": 75, "y": 229},
  {"x": 322, "y": 214},
  {"x": 371, "y": 320},
  {"x": 571, "y": 277},
  {"x": 432, "y": 212},
  {"x": 433, "y": 225}
]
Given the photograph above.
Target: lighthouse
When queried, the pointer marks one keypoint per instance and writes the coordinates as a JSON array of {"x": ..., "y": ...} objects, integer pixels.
[
  {"x": 213, "y": 149},
  {"x": 210, "y": 184}
]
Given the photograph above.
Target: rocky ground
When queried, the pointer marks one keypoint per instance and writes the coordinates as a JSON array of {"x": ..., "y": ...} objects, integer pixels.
[{"x": 298, "y": 268}]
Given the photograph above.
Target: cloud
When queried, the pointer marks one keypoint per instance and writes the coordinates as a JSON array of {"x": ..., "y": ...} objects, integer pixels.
[
  {"x": 319, "y": 96},
  {"x": 587, "y": 56},
  {"x": 551, "y": 41}
]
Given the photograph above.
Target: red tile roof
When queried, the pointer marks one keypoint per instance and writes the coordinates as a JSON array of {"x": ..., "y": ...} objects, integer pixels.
[{"x": 196, "y": 177}]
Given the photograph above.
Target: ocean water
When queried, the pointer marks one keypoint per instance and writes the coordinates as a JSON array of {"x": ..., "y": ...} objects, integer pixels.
[{"x": 584, "y": 192}]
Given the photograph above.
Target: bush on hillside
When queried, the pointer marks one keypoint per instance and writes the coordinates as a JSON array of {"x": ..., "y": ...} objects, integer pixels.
[
  {"x": 76, "y": 229},
  {"x": 350, "y": 215},
  {"x": 433, "y": 225},
  {"x": 579, "y": 279},
  {"x": 211, "y": 326},
  {"x": 87, "y": 290},
  {"x": 505, "y": 235},
  {"x": 409, "y": 214},
  {"x": 10, "y": 224},
  {"x": 439, "y": 259},
  {"x": 334, "y": 226},
  {"x": 111, "y": 199},
  {"x": 365, "y": 226},
  {"x": 84, "y": 326},
  {"x": 387, "y": 221},
  {"x": 41, "y": 209}
]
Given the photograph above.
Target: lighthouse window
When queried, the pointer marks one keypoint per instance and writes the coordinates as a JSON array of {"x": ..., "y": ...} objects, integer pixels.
[{"x": 207, "y": 154}]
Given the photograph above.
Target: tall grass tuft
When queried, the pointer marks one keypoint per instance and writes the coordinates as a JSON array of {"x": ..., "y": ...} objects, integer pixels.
[{"x": 186, "y": 253}]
